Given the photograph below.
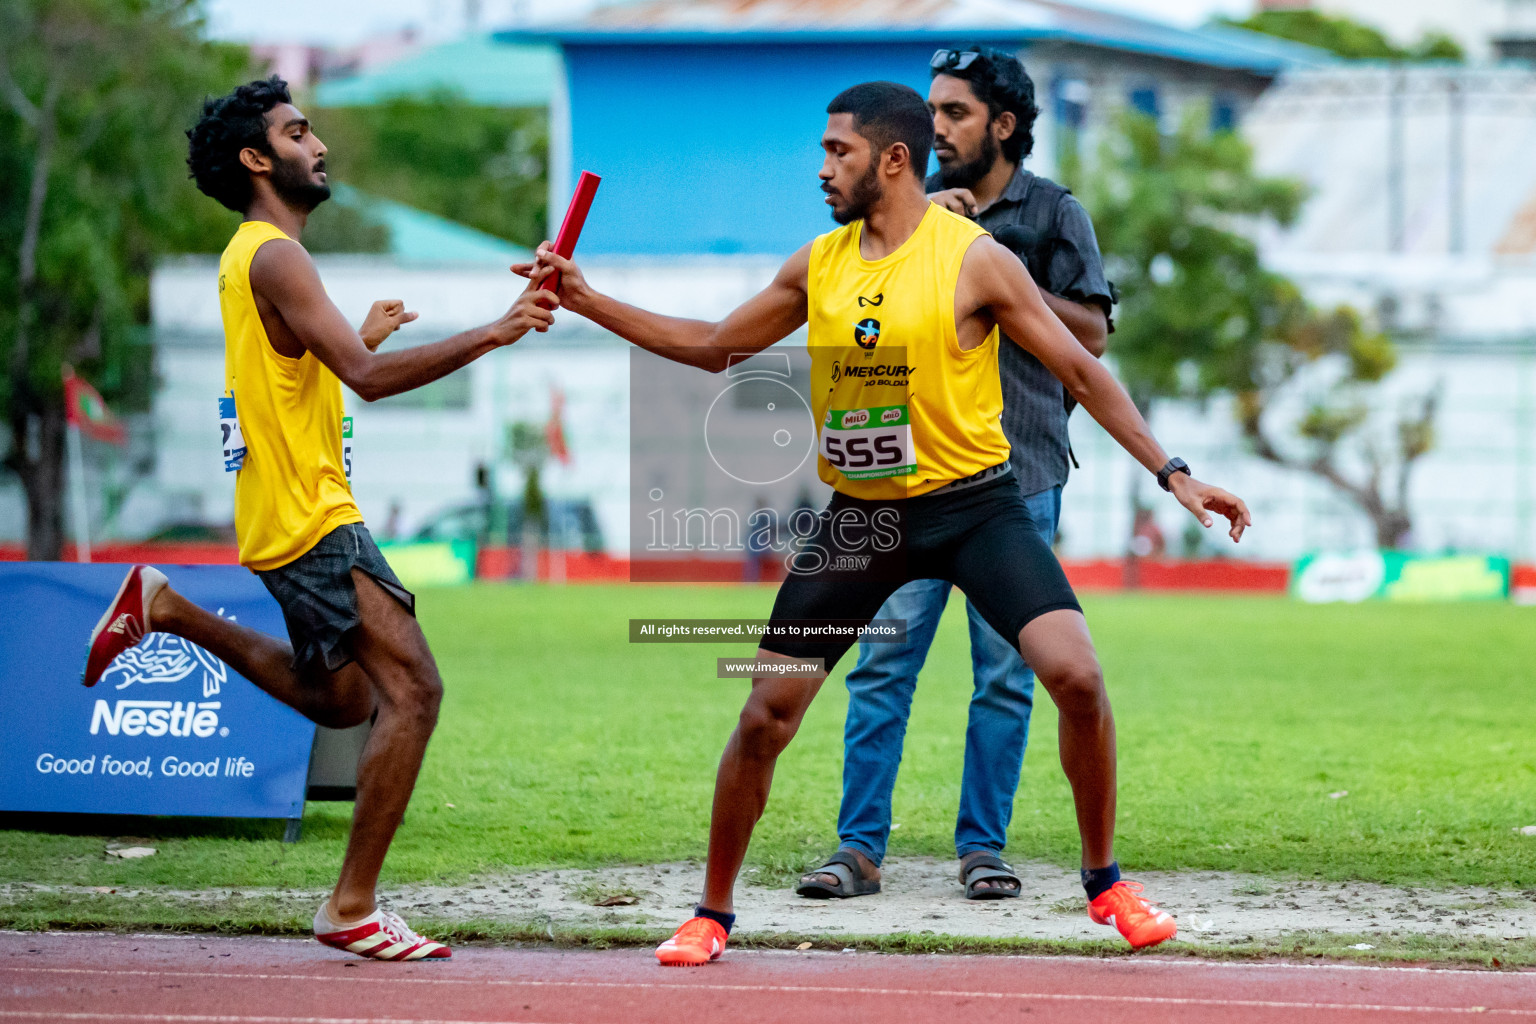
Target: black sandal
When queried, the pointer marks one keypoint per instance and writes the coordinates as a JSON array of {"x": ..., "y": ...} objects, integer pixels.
[
  {"x": 844, "y": 866},
  {"x": 989, "y": 868}
]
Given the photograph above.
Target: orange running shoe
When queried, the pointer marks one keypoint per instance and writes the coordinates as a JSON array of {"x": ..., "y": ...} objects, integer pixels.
[
  {"x": 1142, "y": 923},
  {"x": 697, "y": 942}
]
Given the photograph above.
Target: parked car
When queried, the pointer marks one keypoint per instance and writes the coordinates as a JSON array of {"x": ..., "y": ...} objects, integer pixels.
[
  {"x": 196, "y": 533},
  {"x": 569, "y": 521}
]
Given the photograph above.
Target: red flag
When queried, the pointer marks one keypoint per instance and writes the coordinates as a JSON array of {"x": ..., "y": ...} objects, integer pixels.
[
  {"x": 85, "y": 408},
  {"x": 554, "y": 430}
]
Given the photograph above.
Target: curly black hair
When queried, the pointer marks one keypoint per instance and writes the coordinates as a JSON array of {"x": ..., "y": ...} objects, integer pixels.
[
  {"x": 999, "y": 80},
  {"x": 228, "y": 125}
]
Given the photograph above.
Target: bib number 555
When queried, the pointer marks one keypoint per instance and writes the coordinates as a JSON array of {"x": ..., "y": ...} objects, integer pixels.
[
  {"x": 863, "y": 449},
  {"x": 868, "y": 452}
]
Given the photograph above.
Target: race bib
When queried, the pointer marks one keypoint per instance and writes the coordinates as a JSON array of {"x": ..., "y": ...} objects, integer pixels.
[
  {"x": 234, "y": 441},
  {"x": 868, "y": 444},
  {"x": 346, "y": 446}
]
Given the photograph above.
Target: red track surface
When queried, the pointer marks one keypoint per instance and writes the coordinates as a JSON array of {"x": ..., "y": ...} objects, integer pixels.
[{"x": 209, "y": 980}]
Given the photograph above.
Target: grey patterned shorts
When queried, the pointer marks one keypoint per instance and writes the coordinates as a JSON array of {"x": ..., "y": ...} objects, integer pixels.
[{"x": 319, "y": 599}]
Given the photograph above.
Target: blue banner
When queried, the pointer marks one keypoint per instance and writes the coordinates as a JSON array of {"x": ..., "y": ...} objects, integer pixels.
[{"x": 170, "y": 729}]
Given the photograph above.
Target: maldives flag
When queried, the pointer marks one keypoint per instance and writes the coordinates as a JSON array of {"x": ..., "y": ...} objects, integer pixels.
[
  {"x": 85, "y": 408},
  {"x": 554, "y": 430}
]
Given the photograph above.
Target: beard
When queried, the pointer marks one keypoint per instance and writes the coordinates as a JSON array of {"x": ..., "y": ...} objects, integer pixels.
[
  {"x": 864, "y": 195},
  {"x": 295, "y": 185},
  {"x": 968, "y": 173}
]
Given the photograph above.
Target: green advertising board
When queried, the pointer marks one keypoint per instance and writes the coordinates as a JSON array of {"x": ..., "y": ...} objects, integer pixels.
[{"x": 1397, "y": 576}]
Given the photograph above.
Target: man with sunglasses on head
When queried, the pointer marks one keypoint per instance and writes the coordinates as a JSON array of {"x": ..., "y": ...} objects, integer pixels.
[
  {"x": 983, "y": 106},
  {"x": 908, "y": 408}
]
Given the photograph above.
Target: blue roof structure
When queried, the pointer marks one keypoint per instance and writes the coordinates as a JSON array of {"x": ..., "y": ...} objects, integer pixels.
[
  {"x": 703, "y": 116},
  {"x": 480, "y": 69},
  {"x": 673, "y": 22}
]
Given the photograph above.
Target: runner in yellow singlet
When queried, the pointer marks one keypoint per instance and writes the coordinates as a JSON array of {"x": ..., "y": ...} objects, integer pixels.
[
  {"x": 904, "y": 303},
  {"x": 355, "y": 648}
]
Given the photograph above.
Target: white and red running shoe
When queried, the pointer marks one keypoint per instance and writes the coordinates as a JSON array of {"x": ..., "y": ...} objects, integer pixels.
[
  {"x": 379, "y": 936},
  {"x": 125, "y": 623}
]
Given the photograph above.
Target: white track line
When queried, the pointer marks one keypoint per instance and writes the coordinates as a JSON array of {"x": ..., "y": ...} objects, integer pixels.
[
  {"x": 1195, "y": 960},
  {"x": 845, "y": 990},
  {"x": 214, "y": 1018}
]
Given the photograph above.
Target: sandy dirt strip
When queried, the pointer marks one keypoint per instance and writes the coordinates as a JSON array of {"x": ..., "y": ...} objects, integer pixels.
[{"x": 922, "y": 895}]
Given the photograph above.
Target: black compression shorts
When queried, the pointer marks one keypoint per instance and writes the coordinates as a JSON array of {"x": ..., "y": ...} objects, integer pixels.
[{"x": 981, "y": 539}]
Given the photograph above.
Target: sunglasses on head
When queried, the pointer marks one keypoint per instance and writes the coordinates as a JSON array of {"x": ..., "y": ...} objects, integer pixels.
[{"x": 953, "y": 60}]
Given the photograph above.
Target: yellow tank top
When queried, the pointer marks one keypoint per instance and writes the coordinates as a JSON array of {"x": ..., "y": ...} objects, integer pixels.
[
  {"x": 292, "y": 489},
  {"x": 900, "y": 409}
]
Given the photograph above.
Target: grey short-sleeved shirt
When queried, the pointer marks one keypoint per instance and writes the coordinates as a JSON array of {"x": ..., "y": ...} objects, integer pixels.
[{"x": 1054, "y": 238}]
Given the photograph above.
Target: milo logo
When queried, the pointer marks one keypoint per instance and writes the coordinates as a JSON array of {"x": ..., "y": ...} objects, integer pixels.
[
  {"x": 856, "y": 418},
  {"x": 890, "y": 416}
]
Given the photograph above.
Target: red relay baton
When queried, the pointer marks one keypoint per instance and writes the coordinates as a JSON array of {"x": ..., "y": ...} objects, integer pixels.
[{"x": 575, "y": 217}]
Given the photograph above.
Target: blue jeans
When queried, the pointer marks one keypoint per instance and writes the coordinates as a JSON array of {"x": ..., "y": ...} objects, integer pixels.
[{"x": 880, "y": 689}]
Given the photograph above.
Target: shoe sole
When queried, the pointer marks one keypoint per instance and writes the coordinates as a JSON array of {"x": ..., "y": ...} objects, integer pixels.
[
  {"x": 822, "y": 891},
  {"x": 675, "y": 958},
  {"x": 1153, "y": 942},
  {"x": 419, "y": 960}
]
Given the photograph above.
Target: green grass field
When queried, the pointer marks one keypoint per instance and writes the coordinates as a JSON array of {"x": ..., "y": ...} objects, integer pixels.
[{"x": 563, "y": 744}]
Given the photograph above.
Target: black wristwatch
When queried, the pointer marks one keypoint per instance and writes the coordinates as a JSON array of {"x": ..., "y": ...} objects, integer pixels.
[{"x": 1166, "y": 473}]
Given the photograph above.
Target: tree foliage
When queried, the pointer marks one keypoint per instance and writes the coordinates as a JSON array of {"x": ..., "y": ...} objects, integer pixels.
[
  {"x": 333, "y": 226},
  {"x": 480, "y": 166},
  {"x": 1194, "y": 296},
  {"x": 1200, "y": 315},
  {"x": 1347, "y": 37},
  {"x": 1318, "y": 374},
  {"x": 94, "y": 98}
]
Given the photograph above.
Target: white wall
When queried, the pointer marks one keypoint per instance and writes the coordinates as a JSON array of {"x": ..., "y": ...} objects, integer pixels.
[
  {"x": 424, "y": 459},
  {"x": 1476, "y": 490}
]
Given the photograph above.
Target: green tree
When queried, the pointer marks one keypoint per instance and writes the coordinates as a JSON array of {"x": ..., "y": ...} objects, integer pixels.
[
  {"x": 481, "y": 166},
  {"x": 94, "y": 98},
  {"x": 1200, "y": 315},
  {"x": 1195, "y": 301},
  {"x": 1308, "y": 404},
  {"x": 1346, "y": 37},
  {"x": 334, "y": 226}
]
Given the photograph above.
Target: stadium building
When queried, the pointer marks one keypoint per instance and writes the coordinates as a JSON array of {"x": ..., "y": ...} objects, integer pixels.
[
  {"x": 701, "y": 201},
  {"x": 702, "y": 118}
]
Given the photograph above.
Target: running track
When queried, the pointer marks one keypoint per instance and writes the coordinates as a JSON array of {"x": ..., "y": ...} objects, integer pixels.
[{"x": 55, "y": 977}]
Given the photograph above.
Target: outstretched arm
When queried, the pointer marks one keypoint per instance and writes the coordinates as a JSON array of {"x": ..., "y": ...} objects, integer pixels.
[
  {"x": 287, "y": 285},
  {"x": 771, "y": 315},
  {"x": 993, "y": 279}
]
